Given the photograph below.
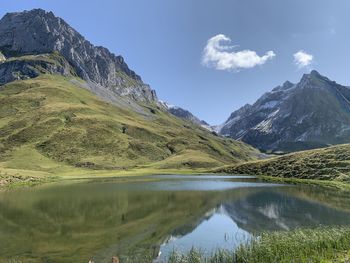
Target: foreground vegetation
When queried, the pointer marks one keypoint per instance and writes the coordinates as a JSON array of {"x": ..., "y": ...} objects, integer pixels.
[
  {"x": 327, "y": 164},
  {"x": 309, "y": 245}
]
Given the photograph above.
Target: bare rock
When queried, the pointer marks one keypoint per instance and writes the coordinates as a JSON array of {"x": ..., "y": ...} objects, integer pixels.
[{"x": 40, "y": 32}]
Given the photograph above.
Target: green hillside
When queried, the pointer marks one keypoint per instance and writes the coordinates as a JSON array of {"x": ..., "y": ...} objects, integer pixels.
[
  {"x": 332, "y": 163},
  {"x": 49, "y": 125}
]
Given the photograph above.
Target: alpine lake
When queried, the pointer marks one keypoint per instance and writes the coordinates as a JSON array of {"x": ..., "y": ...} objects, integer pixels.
[{"x": 152, "y": 216}]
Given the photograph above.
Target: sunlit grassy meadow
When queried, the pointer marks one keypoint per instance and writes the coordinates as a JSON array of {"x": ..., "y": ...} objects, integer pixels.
[{"x": 51, "y": 127}]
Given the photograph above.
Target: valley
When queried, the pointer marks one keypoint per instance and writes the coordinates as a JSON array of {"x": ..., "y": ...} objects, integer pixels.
[
  {"x": 54, "y": 127},
  {"x": 94, "y": 165}
]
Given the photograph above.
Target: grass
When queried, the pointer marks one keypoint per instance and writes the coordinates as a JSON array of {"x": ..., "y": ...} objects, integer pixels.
[
  {"x": 51, "y": 127},
  {"x": 344, "y": 186},
  {"x": 326, "y": 164},
  {"x": 301, "y": 245}
]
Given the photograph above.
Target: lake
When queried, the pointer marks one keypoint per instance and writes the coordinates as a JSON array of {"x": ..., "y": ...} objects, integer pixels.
[{"x": 151, "y": 216}]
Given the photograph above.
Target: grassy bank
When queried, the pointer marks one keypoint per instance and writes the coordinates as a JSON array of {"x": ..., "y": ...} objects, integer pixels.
[
  {"x": 327, "y": 164},
  {"x": 15, "y": 177},
  {"x": 308, "y": 245},
  {"x": 10, "y": 178},
  {"x": 343, "y": 186}
]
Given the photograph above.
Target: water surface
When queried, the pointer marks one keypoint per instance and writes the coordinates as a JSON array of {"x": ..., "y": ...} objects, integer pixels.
[{"x": 154, "y": 215}]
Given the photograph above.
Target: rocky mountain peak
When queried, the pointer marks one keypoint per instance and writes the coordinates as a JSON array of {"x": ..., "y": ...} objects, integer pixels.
[
  {"x": 315, "y": 73},
  {"x": 287, "y": 84},
  {"x": 312, "y": 113},
  {"x": 40, "y": 32},
  {"x": 314, "y": 80},
  {"x": 185, "y": 115}
]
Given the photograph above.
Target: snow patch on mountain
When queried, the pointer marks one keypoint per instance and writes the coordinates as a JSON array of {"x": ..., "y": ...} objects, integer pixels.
[
  {"x": 270, "y": 104},
  {"x": 315, "y": 111}
]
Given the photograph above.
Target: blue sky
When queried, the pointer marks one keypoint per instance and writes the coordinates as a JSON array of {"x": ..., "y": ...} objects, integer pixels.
[{"x": 164, "y": 41}]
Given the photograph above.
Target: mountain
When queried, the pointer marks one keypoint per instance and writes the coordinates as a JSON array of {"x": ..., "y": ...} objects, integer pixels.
[
  {"x": 310, "y": 114},
  {"x": 186, "y": 115},
  {"x": 38, "y": 32},
  {"x": 59, "y": 115}
]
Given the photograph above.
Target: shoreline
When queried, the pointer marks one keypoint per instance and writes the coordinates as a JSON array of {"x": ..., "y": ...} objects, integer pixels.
[{"x": 27, "y": 178}]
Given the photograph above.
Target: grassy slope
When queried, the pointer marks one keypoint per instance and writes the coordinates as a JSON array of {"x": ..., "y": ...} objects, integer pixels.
[
  {"x": 304, "y": 246},
  {"x": 48, "y": 126},
  {"x": 332, "y": 163}
]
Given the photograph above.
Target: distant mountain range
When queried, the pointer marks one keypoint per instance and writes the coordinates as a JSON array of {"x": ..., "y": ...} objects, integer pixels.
[
  {"x": 186, "y": 115},
  {"x": 310, "y": 114}
]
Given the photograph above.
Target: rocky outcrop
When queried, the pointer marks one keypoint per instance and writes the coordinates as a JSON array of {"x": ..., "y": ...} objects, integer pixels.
[
  {"x": 32, "y": 66},
  {"x": 39, "y": 32},
  {"x": 312, "y": 113}
]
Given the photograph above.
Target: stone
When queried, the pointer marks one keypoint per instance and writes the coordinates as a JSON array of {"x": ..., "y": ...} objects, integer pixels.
[{"x": 39, "y": 32}]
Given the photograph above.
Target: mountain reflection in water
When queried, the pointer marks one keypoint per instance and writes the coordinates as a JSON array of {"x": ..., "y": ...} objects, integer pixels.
[{"x": 131, "y": 217}]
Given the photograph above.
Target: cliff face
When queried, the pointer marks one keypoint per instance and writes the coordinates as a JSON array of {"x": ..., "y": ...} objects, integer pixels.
[
  {"x": 312, "y": 113},
  {"x": 39, "y": 32},
  {"x": 31, "y": 66}
]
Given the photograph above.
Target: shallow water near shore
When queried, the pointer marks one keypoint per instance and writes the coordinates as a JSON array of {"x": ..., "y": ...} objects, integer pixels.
[{"x": 151, "y": 216}]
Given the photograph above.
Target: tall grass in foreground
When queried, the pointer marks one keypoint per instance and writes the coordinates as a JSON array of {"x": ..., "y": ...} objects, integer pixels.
[{"x": 302, "y": 245}]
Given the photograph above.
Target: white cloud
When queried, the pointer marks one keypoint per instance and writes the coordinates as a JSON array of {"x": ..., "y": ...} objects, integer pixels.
[
  {"x": 302, "y": 59},
  {"x": 221, "y": 56}
]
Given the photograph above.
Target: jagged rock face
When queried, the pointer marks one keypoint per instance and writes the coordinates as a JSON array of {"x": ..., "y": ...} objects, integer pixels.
[
  {"x": 32, "y": 66},
  {"x": 39, "y": 32},
  {"x": 313, "y": 113}
]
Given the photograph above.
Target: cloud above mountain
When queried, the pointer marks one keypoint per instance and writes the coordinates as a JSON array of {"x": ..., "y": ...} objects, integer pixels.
[
  {"x": 220, "y": 55},
  {"x": 302, "y": 59}
]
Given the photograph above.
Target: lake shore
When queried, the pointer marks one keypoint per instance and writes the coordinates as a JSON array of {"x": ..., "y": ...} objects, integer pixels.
[
  {"x": 301, "y": 245},
  {"x": 323, "y": 183},
  {"x": 16, "y": 177}
]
